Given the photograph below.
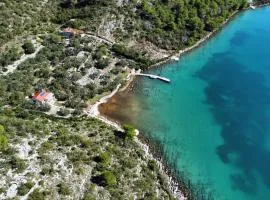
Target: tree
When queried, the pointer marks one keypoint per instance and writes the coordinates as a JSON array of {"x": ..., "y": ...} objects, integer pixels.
[
  {"x": 102, "y": 63},
  {"x": 63, "y": 189},
  {"x": 37, "y": 195},
  {"x": 3, "y": 139},
  {"x": 129, "y": 132},
  {"x": 211, "y": 25},
  {"x": 17, "y": 163},
  {"x": 63, "y": 112},
  {"x": 243, "y": 4},
  {"x": 55, "y": 38},
  {"x": 2, "y": 129},
  {"x": 25, "y": 188},
  {"x": 76, "y": 76},
  {"x": 3, "y": 143},
  {"x": 103, "y": 158},
  {"x": 28, "y": 47},
  {"x": 108, "y": 178}
]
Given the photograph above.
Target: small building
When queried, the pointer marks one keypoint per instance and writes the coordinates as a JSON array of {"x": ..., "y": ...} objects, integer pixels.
[
  {"x": 70, "y": 32},
  {"x": 42, "y": 96}
]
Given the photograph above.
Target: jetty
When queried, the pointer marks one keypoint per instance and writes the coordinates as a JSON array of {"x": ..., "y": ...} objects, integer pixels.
[{"x": 154, "y": 77}]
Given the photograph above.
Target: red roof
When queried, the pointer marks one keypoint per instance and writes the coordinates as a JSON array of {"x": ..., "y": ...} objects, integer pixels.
[
  {"x": 42, "y": 96},
  {"x": 73, "y": 31}
]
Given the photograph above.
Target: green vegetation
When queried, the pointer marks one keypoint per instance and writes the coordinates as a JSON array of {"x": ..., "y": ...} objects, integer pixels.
[
  {"x": 103, "y": 158},
  {"x": 57, "y": 68},
  {"x": 129, "y": 132},
  {"x": 17, "y": 164},
  {"x": 129, "y": 53},
  {"x": 261, "y": 1},
  {"x": 63, "y": 189},
  {"x": 28, "y": 47},
  {"x": 9, "y": 56},
  {"x": 18, "y": 17},
  {"x": 176, "y": 24},
  {"x": 108, "y": 178},
  {"x": 63, "y": 112},
  {"x": 3, "y": 139},
  {"x": 25, "y": 188},
  {"x": 168, "y": 24},
  {"x": 90, "y": 151},
  {"x": 3, "y": 142},
  {"x": 37, "y": 195},
  {"x": 76, "y": 70}
]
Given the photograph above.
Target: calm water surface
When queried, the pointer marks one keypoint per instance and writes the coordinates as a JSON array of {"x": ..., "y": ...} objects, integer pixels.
[{"x": 214, "y": 117}]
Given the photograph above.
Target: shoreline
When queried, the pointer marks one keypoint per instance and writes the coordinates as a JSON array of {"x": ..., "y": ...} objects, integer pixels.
[
  {"x": 173, "y": 185},
  {"x": 176, "y": 187},
  {"x": 94, "y": 110},
  {"x": 177, "y": 55}
]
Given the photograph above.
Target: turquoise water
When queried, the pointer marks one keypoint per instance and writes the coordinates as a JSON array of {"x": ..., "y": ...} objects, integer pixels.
[{"x": 213, "y": 119}]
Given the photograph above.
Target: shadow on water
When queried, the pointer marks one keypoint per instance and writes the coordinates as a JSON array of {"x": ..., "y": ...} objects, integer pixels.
[{"x": 239, "y": 102}]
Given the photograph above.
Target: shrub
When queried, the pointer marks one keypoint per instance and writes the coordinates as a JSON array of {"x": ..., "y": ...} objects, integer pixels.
[
  {"x": 129, "y": 132},
  {"x": 63, "y": 112},
  {"x": 77, "y": 112},
  {"x": 25, "y": 188},
  {"x": 88, "y": 197},
  {"x": 45, "y": 107},
  {"x": 152, "y": 165},
  {"x": 2, "y": 190},
  {"x": 37, "y": 195},
  {"x": 46, "y": 171},
  {"x": 9, "y": 56},
  {"x": 45, "y": 147},
  {"x": 3, "y": 139},
  {"x": 76, "y": 76},
  {"x": 108, "y": 178},
  {"x": 78, "y": 157},
  {"x": 115, "y": 71},
  {"x": 28, "y": 47},
  {"x": 2, "y": 129},
  {"x": 63, "y": 189},
  {"x": 17, "y": 163},
  {"x": 129, "y": 162},
  {"x": 102, "y": 63},
  {"x": 55, "y": 38},
  {"x": 102, "y": 158},
  {"x": 85, "y": 143},
  {"x": 129, "y": 53}
]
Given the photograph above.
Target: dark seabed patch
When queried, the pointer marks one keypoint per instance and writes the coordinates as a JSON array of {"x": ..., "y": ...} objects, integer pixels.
[
  {"x": 240, "y": 38},
  {"x": 245, "y": 112}
]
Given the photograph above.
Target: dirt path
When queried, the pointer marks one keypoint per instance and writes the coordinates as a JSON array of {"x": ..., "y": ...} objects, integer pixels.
[
  {"x": 97, "y": 37},
  {"x": 12, "y": 67}
]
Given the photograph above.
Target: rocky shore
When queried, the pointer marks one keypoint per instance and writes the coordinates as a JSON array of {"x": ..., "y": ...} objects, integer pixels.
[{"x": 171, "y": 181}]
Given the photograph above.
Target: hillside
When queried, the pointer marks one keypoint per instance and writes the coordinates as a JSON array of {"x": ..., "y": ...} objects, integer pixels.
[
  {"x": 56, "y": 150},
  {"x": 18, "y": 18},
  {"x": 169, "y": 25},
  {"x": 49, "y": 158}
]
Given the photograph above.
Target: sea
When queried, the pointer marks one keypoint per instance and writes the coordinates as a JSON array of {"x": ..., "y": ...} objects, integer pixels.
[{"x": 213, "y": 119}]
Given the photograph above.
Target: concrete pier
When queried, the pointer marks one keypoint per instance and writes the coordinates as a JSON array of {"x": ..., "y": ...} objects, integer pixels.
[{"x": 154, "y": 77}]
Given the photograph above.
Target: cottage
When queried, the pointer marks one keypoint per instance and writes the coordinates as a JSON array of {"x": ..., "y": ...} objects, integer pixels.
[
  {"x": 42, "y": 96},
  {"x": 70, "y": 32}
]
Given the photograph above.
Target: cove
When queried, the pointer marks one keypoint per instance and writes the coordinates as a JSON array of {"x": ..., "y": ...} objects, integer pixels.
[{"x": 213, "y": 119}]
